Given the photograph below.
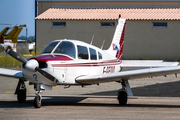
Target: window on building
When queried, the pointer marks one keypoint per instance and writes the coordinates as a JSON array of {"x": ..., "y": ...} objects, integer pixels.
[
  {"x": 82, "y": 52},
  {"x": 93, "y": 55},
  {"x": 59, "y": 24},
  {"x": 160, "y": 24},
  {"x": 107, "y": 24},
  {"x": 100, "y": 55}
]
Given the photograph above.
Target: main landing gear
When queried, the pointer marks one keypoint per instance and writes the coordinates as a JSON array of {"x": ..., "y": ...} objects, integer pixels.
[
  {"x": 124, "y": 92},
  {"x": 21, "y": 91},
  {"x": 122, "y": 97}
]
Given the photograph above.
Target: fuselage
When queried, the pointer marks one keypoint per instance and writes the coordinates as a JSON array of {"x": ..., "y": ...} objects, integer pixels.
[{"x": 70, "y": 59}]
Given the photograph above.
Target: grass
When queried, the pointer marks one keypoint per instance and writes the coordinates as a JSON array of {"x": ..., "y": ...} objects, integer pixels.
[{"x": 8, "y": 62}]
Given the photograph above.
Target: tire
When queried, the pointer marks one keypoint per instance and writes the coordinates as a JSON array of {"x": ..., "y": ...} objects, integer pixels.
[
  {"x": 122, "y": 97},
  {"x": 37, "y": 102},
  {"x": 21, "y": 96}
]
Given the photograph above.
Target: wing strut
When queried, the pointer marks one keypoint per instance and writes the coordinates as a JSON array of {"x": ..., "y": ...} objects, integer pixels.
[{"x": 128, "y": 88}]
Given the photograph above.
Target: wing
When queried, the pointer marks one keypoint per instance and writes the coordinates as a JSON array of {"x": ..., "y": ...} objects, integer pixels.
[
  {"x": 11, "y": 73},
  {"x": 128, "y": 75},
  {"x": 147, "y": 63}
]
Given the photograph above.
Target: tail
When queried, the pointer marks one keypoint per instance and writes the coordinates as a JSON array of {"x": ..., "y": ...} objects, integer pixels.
[
  {"x": 116, "y": 47},
  {"x": 13, "y": 34},
  {"x": 3, "y": 33}
]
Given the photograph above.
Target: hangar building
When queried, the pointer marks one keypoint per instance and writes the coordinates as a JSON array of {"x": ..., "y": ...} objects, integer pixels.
[{"x": 152, "y": 26}]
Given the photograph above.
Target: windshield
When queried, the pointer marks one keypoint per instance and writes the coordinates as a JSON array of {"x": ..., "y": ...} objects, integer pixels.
[
  {"x": 49, "y": 47},
  {"x": 66, "y": 48}
]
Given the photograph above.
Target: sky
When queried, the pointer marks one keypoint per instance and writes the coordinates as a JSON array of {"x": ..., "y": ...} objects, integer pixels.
[{"x": 18, "y": 12}]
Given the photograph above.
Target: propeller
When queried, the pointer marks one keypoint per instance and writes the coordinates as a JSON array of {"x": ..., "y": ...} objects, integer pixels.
[
  {"x": 15, "y": 55},
  {"x": 31, "y": 65}
]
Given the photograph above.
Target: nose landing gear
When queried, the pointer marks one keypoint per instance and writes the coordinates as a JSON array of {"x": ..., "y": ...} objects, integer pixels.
[{"x": 38, "y": 98}]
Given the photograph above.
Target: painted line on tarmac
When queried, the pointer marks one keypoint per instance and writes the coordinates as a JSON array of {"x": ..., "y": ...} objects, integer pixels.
[
  {"x": 30, "y": 89},
  {"x": 14, "y": 91}
]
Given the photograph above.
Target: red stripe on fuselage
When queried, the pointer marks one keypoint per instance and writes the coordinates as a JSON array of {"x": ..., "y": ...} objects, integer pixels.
[
  {"x": 89, "y": 64},
  {"x": 47, "y": 58}
]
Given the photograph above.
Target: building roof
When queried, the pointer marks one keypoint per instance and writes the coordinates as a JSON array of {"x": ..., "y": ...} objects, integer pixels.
[{"x": 110, "y": 14}]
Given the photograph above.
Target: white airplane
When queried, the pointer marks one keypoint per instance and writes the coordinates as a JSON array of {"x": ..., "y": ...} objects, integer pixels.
[{"x": 72, "y": 62}]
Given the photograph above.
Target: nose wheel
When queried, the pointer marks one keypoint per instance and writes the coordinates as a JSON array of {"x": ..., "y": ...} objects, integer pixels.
[{"x": 37, "y": 101}]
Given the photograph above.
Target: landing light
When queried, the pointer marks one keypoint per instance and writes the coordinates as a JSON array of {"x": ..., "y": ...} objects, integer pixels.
[{"x": 35, "y": 76}]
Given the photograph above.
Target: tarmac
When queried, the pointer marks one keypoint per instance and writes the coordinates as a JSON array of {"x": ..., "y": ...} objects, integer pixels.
[{"x": 154, "y": 98}]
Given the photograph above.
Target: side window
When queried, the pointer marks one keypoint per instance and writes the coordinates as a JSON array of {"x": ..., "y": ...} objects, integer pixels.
[
  {"x": 93, "y": 55},
  {"x": 82, "y": 52},
  {"x": 100, "y": 55}
]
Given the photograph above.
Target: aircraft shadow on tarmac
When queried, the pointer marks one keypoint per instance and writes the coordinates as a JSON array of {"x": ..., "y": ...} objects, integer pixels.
[
  {"x": 47, "y": 101},
  {"x": 75, "y": 101},
  {"x": 171, "y": 89}
]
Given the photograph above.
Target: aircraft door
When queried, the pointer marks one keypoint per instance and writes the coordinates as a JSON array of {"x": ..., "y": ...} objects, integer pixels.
[
  {"x": 64, "y": 74},
  {"x": 61, "y": 73}
]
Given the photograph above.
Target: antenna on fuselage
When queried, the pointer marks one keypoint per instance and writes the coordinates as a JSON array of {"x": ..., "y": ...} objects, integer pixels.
[
  {"x": 92, "y": 40},
  {"x": 102, "y": 44}
]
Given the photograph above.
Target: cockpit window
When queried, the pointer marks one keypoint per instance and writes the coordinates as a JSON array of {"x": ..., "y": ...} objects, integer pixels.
[
  {"x": 66, "y": 48},
  {"x": 82, "y": 52},
  {"x": 93, "y": 55},
  {"x": 49, "y": 47}
]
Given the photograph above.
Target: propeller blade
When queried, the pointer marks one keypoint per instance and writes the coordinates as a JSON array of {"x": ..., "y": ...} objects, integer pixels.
[
  {"x": 16, "y": 55},
  {"x": 47, "y": 75}
]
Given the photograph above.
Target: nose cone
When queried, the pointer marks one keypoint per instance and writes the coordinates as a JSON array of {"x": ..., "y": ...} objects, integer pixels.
[{"x": 31, "y": 65}]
